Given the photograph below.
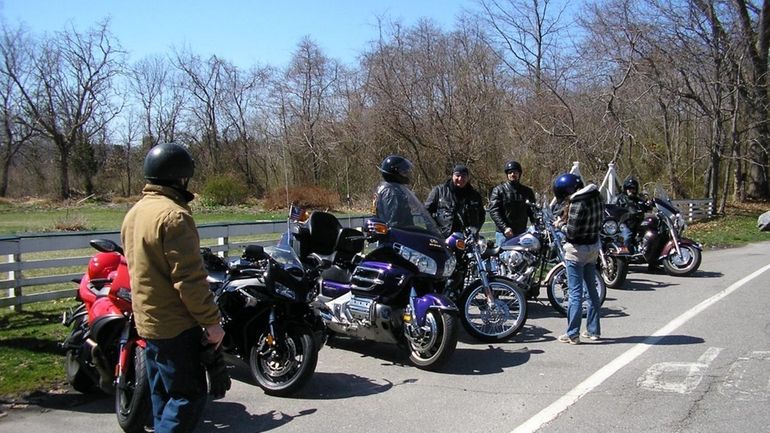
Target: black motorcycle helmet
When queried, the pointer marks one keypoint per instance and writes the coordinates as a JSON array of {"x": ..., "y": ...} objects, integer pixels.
[
  {"x": 631, "y": 183},
  {"x": 512, "y": 166},
  {"x": 565, "y": 185},
  {"x": 397, "y": 169},
  {"x": 168, "y": 164}
]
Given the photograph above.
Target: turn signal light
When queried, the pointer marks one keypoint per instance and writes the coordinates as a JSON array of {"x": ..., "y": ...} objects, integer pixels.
[{"x": 380, "y": 228}]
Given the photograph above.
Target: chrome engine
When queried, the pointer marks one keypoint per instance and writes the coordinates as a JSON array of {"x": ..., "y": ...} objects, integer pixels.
[
  {"x": 357, "y": 316},
  {"x": 518, "y": 265}
]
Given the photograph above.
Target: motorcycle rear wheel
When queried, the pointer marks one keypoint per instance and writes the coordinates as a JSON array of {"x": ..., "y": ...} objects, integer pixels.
[
  {"x": 283, "y": 369},
  {"x": 685, "y": 264},
  {"x": 558, "y": 291},
  {"x": 498, "y": 322},
  {"x": 438, "y": 344},
  {"x": 614, "y": 274},
  {"x": 132, "y": 398},
  {"x": 77, "y": 374}
]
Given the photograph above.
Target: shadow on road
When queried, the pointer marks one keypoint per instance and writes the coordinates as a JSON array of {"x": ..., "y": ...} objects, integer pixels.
[
  {"x": 332, "y": 386},
  {"x": 705, "y": 274},
  {"x": 96, "y": 403},
  {"x": 669, "y": 340},
  {"x": 491, "y": 360},
  {"x": 641, "y": 284},
  {"x": 232, "y": 417}
]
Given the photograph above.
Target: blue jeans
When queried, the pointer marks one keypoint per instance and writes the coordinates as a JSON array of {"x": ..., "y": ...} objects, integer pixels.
[
  {"x": 177, "y": 381},
  {"x": 580, "y": 275},
  {"x": 628, "y": 237},
  {"x": 499, "y": 238}
]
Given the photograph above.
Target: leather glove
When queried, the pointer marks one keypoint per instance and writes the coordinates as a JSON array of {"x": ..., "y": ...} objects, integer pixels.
[{"x": 219, "y": 379}]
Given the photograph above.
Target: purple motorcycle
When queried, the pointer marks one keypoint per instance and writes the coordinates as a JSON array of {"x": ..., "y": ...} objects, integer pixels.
[{"x": 390, "y": 294}]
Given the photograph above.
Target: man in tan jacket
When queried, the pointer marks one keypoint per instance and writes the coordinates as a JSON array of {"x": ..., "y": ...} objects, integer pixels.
[{"x": 173, "y": 306}]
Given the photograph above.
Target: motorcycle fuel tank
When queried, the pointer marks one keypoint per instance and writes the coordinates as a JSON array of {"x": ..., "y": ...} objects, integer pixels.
[{"x": 524, "y": 242}]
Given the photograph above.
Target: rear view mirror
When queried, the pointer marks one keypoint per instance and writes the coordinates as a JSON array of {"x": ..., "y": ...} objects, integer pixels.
[
  {"x": 254, "y": 252},
  {"x": 105, "y": 246}
]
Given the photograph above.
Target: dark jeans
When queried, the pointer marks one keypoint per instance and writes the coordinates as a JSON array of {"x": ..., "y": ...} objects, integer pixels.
[{"x": 177, "y": 381}]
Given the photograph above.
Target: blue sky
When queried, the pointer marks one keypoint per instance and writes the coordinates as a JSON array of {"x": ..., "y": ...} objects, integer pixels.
[{"x": 244, "y": 32}]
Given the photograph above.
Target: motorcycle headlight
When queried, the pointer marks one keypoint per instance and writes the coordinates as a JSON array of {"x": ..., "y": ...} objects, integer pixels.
[
  {"x": 284, "y": 291},
  {"x": 482, "y": 243},
  {"x": 449, "y": 266},
  {"x": 679, "y": 223},
  {"x": 610, "y": 227},
  {"x": 424, "y": 263}
]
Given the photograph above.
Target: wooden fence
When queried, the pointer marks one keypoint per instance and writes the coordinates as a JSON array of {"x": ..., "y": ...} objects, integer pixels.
[
  {"x": 23, "y": 255},
  {"x": 695, "y": 209},
  {"x": 21, "y": 251}
]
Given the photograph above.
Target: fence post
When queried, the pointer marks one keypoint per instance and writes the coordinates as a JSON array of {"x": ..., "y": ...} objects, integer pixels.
[
  {"x": 224, "y": 240},
  {"x": 15, "y": 276}
]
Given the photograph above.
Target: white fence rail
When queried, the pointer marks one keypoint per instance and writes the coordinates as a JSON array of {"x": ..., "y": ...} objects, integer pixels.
[{"x": 20, "y": 252}]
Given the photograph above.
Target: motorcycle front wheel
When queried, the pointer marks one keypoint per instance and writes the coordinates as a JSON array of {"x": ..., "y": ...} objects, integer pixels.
[
  {"x": 684, "y": 264},
  {"x": 558, "y": 290},
  {"x": 132, "y": 395},
  {"x": 437, "y": 342},
  {"x": 499, "y": 320},
  {"x": 614, "y": 274},
  {"x": 283, "y": 367}
]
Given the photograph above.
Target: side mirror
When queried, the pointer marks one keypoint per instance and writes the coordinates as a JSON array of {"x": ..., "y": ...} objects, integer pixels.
[
  {"x": 105, "y": 246},
  {"x": 254, "y": 252}
]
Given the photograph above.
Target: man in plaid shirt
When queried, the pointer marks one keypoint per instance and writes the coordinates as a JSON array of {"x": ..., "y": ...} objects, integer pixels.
[{"x": 583, "y": 220}]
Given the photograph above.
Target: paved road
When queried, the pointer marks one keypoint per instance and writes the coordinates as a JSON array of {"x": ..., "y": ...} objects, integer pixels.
[{"x": 677, "y": 355}]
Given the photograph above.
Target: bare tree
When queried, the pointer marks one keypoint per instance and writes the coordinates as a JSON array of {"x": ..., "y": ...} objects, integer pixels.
[
  {"x": 203, "y": 80},
  {"x": 244, "y": 93},
  {"x": 15, "y": 48},
  {"x": 68, "y": 93},
  {"x": 156, "y": 85},
  {"x": 307, "y": 104}
]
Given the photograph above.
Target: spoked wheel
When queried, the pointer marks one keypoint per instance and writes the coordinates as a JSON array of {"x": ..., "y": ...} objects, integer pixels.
[
  {"x": 614, "y": 274},
  {"x": 437, "y": 342},
  {"x": 132, "y": 395},
  {"x": 499, "y": 320},
  {"x": 282, "y": 367},
  {"x": 684, "y": 264},
  {"x": 558, "y": 290}
]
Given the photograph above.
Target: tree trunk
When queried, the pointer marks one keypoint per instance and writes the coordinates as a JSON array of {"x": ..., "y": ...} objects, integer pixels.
[{"x": 757, "y": 187}]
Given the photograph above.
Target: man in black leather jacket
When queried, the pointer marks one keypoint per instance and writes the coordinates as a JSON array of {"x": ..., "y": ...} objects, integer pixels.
[
  {"x": 508, "y": 204},
  {"x": 455, "y": 204},
  {"x": 637, "y": 206}
]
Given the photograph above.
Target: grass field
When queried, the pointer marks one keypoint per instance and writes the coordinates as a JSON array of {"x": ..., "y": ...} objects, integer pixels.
[
  {"x": 30, "y": 358},
  {"x": 34, "y": 217}
]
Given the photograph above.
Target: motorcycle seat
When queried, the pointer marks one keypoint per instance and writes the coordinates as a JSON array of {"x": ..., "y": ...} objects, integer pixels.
[
  {"x": 336, "y": 273},
  {"x": 323, "y": 230}
]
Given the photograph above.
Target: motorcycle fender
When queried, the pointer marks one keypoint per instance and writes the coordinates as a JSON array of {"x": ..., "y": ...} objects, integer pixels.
[
  {"x": 669, "y": 247},
  {"x": 126, "y": 350},
  {"x": 69, "y": 316},
  {"x": 107, "y": 327},
  {"x": 553, "y": 271},
  {"x": 431, "y": 301}
]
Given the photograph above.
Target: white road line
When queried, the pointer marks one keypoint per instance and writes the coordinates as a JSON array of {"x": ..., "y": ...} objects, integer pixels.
[{"x": 571, "y": 397}]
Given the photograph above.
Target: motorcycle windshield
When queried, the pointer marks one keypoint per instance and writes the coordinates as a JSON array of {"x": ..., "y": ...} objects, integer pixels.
[
  {"x": 663, "y": 201},
  {"x": 285, "y": 256},
  {"x": 420, "y": 216}
]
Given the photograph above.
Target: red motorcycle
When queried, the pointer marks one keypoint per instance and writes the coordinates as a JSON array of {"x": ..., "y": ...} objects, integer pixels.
[{"x": 103, "y": 350}]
